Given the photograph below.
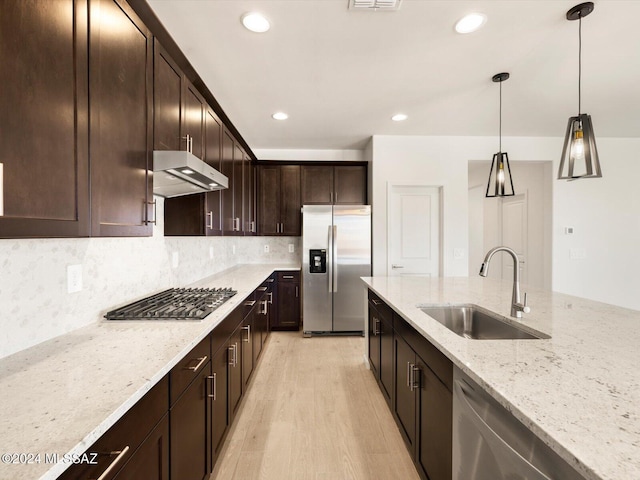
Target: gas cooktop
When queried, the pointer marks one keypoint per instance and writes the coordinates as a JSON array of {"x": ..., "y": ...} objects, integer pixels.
[{"x": 174, "y": 304}]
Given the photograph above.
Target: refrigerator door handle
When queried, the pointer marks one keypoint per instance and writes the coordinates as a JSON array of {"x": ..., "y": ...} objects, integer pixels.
[
  {"x": 330, "y": 260},
  {"x": 335, "y": 258}
]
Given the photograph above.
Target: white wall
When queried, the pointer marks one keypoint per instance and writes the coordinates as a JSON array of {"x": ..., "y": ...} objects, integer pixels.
[
  {"x": 35, "y": 305},
  {"x": 309, "y": 154},
  {"x": 534, "y": 179},
  {"x": 605, "y": 213}
]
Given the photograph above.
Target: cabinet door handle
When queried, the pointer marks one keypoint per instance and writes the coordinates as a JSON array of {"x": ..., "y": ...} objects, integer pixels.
[
  {"x": 248, "y": 329},
  {"x": 234, "y": 358},
  {"x": 415, "y": 384},
  {"x": 200, "y": 363},
  {"x": 297, "y": 291},
  {"x": 210, "y": 220},
  {"x": 375, "y": 326},
  {"x": 253, "y": 226},
  {"x": 213, "y": 386},
  {"x": 330, "y": 197},
  {"x": 270, "y": 297},
  {"x": 112, "y": 465},
  {"x": 408, "y": 374},
  {"x": 155, "y": 213}
]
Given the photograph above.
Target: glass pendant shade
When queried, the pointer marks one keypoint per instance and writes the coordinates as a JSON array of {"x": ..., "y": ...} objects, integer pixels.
[
  {"x": 500, "y": 183},
  {"x": 579, "y": 154}
]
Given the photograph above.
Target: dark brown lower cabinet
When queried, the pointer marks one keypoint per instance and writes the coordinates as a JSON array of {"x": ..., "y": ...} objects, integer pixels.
[
  {"x": 416, "y": 379},
  {"x": 219, "y": 402},
  {"x": 235, "y": 372},
  {"x": 246, "y": 335},
  {"x": 138, "y": 440},
  {"x": 287, "y": 298},
  {"x": 151, "y": 460},
  {"x": 188, "y": 424},
  {"x": 433, "y": 457}
]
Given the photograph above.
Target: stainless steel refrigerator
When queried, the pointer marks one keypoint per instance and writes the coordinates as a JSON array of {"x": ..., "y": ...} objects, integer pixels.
[{"x": 336, "y": 252}]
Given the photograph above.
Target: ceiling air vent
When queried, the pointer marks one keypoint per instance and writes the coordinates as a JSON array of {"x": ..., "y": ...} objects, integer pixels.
[{"x": 374, "y": 5}]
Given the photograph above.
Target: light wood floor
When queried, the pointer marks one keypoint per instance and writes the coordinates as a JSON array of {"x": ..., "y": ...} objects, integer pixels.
[{"x": 314, "y": 412}]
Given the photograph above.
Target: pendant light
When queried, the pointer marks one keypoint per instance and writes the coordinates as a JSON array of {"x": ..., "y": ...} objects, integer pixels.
[
  {"x": 579, "y": 154},
  {"x": 500, "y": 182}
]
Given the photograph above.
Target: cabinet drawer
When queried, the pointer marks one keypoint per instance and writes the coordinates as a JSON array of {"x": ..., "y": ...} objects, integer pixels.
[
  {"x": 124, "y": 438},
  {"x": 189, "y": 368},
  {"x": 293, "y": 277},
  {"x": 383, "y": 309},
  {"x": 434, "y": 358}
]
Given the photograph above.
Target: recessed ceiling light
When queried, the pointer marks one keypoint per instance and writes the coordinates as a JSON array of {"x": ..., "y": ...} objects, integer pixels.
[
  {"x": 399, "y": 117},
  {"x": 213, "y": 184},
  {"x": 187, "y": 171},
  {"x": 280, "y": 116},
  {"x": 471, "y": 23},
  {"x": 255, "y": 22}
]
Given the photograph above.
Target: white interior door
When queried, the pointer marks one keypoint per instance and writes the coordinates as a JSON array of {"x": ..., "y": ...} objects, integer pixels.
[
  {"x": 514, "y": 234},
  {"x": 413, "y": 230}
]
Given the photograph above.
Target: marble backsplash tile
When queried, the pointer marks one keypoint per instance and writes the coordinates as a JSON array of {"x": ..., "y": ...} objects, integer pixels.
[{"x": 35, "y": 305}]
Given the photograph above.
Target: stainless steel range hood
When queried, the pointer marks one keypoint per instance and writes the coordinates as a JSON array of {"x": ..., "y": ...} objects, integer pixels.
[{"x": 182, "y": 173}]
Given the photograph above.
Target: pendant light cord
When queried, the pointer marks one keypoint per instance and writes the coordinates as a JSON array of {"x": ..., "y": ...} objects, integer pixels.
[
  {"x": 579, "y": 64},
  {"x": 500, "y": 127}
]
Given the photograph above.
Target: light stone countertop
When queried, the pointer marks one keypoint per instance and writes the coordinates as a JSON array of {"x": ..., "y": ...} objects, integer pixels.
[
  {"x": 578, "y": 391},
  {"x": 60, "y": 396}
]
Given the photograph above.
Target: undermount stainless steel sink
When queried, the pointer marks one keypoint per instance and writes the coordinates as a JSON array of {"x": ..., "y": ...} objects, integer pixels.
[{"x": 472, "y": 321}]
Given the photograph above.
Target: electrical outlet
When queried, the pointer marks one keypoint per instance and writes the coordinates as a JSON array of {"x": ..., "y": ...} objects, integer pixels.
[
  {"x": 211, "y": 253},
  {"x": 266, "y": 249},
  {"x": 175, "y": 259},
  {"x": 74, "y": 278},
  {"x": 233, "y": 249},
  {"x": 292, "y": 248}
]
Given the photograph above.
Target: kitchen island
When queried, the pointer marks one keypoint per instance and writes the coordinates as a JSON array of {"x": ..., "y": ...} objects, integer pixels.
[
  {"x": 60, "y": 396},
  {"x": 578, "y": 391}
]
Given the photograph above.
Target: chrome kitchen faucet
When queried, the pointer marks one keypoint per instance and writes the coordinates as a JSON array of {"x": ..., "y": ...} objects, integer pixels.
[{"x": 516, "y": 307}]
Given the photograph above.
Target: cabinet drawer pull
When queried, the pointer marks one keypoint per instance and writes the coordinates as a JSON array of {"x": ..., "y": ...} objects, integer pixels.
[
  {"x": 200, "y": 363},
  {"x": 262, "y": 289},
  {"x": 289, "y": 277},
  {"x": 376, "y": 302},
  {"x": 248, "y": 329},
  {"x": 112, "y": 465},
  {"x": 270, "y": 280},
  {"x": 249, "y": 303}
]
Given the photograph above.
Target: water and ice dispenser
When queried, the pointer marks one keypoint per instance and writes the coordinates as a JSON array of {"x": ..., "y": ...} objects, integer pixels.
[{"x": 317, "y": 261}]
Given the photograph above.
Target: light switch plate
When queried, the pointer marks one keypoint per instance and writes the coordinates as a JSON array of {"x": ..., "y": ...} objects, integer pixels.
[
  {"x": 292, "y": 248},
  {"x": 74, "y": 278},
  {"x": 233, "y": 249},
  {"x": 578, "y": 253},
  {"x": 175, "y": 259},
  {"x": 211, "y": 253}
]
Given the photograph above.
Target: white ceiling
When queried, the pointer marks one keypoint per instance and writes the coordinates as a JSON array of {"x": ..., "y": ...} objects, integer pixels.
[{"x": 341, "y": 75}]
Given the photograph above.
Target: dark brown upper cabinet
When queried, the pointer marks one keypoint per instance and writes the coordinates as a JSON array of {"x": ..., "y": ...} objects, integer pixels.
[
  {"x": 44, "y": 174},
  {"x": 120, "y": 124},
  {"x": 235, "y": 165},
  {"x": 279, "y": 200},
  {"x": 250, "y": 227},
  {"x": 333, "y": 184}
]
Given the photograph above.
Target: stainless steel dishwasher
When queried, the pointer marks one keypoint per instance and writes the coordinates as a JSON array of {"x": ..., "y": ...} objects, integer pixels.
[{"x": 489, "y": 443}]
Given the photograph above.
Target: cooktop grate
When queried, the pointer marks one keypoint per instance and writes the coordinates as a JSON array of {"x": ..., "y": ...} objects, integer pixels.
[{"x": 174, "y": 304}]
